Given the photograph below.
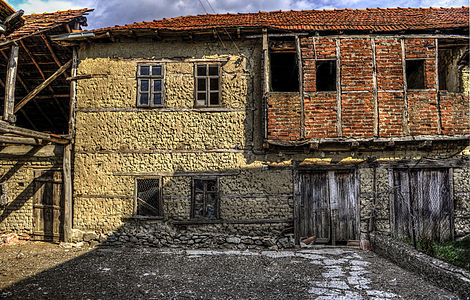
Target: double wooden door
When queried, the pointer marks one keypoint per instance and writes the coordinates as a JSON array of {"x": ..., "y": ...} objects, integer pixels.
[
  {"x": 48, "y": 206},
  {"x": 328, "y": 206}
]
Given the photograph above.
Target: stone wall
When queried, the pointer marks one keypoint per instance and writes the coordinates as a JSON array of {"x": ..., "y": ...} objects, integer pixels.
[{"x": 17, "y": 166}]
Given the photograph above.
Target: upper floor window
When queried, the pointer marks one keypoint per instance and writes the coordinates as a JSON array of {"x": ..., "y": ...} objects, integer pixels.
[
  {"x": 326, "y": 75},
  {"x": 415, "y": 74},
  {"x": 150, "y": 85},
  {"x": 283, "y": 65},
  {"x": 207, "y": 85}
]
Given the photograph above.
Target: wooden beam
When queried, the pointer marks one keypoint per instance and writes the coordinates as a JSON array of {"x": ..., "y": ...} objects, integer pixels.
[
  {"x": 301, "y": 87},
  {"x": 9, "y": 104},
  {"x": 406, "y": 128},
  {"x": 375, "y": 93},
  {"x": 73, "y": 93},
  {"x": 265, "y": 80},
  {"x": 339, "y": 113},
  {"x": 20, "y": 140},
  {"x": 58, "y": 104},
  {"x": 438, "y": 100},
  {"x": 43, "y": 85},
  {"x": 7, "y": 128},
  {"x": 48, "y": 45}
]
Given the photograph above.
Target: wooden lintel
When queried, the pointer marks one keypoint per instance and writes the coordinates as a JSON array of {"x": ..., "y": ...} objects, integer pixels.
[
  {"x": 43, "y": 85},
  {"x": 5, "y": 127},
  {"x": 9, "y": 104}
]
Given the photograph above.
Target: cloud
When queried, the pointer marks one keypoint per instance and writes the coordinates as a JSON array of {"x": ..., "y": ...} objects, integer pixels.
[{"x": 119, "y": 12}]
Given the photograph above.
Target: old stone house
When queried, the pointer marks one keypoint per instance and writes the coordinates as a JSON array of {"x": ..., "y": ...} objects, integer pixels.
[{"x": 263, "y": 129}]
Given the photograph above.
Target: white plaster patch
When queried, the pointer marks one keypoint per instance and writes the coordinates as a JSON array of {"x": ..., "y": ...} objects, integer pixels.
[
  {"x": 323, "y": 291},
  {"x": 359, "y": 263},
  {"x": 360, "y": 283}
]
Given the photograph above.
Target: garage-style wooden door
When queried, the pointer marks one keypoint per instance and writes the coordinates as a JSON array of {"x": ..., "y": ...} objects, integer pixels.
[
  {"x": 328, "y": 206},
  {"x": 48, "y": 206}
]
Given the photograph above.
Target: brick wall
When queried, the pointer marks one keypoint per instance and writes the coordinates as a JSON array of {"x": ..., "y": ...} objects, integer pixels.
[
  {"x": 357, "y": 97},
  {"x": 454, "y": 113},
  {"x": 284, "y": 116}
]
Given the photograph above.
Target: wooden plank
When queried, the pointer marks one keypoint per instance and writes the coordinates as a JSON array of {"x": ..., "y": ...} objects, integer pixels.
[
  {"x": 450, "y": 202},
  {"x": 405, "y": 119},
  {"x": 43, "y": 85},
  {"x": 51, "y": 51},
  {"x": 265, "y": 73},
  {"x": 301, "y": 86},
  {"x": 7, "y": 128},
  {"x": 20, "y": 140},
  {"x": 339, "y": 118},
  {"x": 297, "y": 199},
  {"x": 9, "y": 104}
]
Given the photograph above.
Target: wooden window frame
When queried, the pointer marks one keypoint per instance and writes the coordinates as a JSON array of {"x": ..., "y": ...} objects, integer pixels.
[
  {"x": 193, "y": 198},
  {"x": 160, "y": 196},
  {"x": 207, "y": 89},
  {"x": 151, "y": 79}
]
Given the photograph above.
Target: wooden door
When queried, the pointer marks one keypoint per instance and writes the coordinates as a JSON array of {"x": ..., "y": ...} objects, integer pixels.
[
  {"x": 48, "y": 206},
  {"x": 328, "y": 207},
  {"x": 423, "y": 201}
]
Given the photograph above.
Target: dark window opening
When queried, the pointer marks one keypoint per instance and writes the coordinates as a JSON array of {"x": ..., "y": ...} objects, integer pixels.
[
  {"x": 284, "y": 72},
  {"x": 415, "y": 74},
  {"x": 326, "y": 75},
  {"x": 148, "y": 197},
  {"x": 205, "y": 202},
  {"x": 207, "y": 85},
  {"x": 451, "y": 60}
]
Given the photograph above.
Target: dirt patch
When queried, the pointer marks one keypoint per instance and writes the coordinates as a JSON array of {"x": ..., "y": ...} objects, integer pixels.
[{"x": 49, "y": 272}]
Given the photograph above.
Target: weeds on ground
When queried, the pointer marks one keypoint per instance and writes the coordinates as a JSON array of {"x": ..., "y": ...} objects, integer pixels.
[{"x": 453, "y": 252}]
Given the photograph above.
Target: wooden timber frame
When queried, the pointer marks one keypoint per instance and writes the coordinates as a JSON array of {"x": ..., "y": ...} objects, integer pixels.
[{"x": 45, "y": 99}]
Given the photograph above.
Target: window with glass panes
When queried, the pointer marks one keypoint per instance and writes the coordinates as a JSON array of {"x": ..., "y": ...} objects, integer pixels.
[
  {"x": 150, "y": 85},
  {"x": 205, "y": 199},
  {"x": 207, "y": 85}
]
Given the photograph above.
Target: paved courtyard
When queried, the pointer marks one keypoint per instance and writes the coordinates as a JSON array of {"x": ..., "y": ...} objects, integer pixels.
[{"x": 148, "y": 273}]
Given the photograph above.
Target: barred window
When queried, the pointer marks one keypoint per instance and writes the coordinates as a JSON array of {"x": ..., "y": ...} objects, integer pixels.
[
  {"x": 148, "y": 197},
  {"x": 205, "y": 199},
  {"x": 150, "y": 89},
  {"x": 207, "y": 85}
]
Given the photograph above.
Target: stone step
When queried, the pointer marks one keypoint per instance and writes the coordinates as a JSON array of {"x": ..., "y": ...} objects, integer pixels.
[{"x": 354, "y": 244}]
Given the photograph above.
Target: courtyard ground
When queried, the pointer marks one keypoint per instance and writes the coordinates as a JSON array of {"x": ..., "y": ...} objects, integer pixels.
[{"x": 46, "y": 271}]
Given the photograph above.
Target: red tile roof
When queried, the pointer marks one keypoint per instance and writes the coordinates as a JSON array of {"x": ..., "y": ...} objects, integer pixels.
[
  {"x": 36, "y": 23},
  {"x": 371, "y": 19}
]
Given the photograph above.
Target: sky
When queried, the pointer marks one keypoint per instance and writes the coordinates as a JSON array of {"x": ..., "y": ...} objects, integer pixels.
[{"x": 119, "y": 12}]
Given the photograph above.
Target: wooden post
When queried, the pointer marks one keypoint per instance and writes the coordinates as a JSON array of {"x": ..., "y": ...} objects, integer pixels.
[
  {"x": 301, "y": 87},
  {"x": 266, "y": 80},
  {"x": 376, "y": 96},
  {"x": 405, "y": 89},
  {"x": 339, "y": 113},
  {"x": 68, "y": 149},
  {"x": 8, "y": 114},
  {"x": 438, "y": 99}
]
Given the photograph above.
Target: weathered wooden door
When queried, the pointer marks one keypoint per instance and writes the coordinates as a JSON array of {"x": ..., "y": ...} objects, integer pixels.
[
  {"x": 423, "y": 201},
  {"x": 328, "y": 206},
  {"x": 48, "y": 206}
]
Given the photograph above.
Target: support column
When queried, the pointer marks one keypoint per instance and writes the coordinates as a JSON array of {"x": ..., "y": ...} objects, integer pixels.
[{"x": 9, "y": 104}]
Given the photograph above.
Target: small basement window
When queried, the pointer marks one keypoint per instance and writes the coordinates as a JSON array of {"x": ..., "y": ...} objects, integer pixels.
[
  {"x": 148, "y": 197},
  {"x": 205, "y": 199},
  {"x": 415, "y": 74},
  {"x": 284, "y": 72},
  {"x": 150, "y": 85},
  {"x": 207, "y": 85},
  {"x": 326, "y": 75}
]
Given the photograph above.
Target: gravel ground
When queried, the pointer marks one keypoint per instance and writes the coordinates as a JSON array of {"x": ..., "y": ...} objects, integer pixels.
[{"x": 46, "y": 271}]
